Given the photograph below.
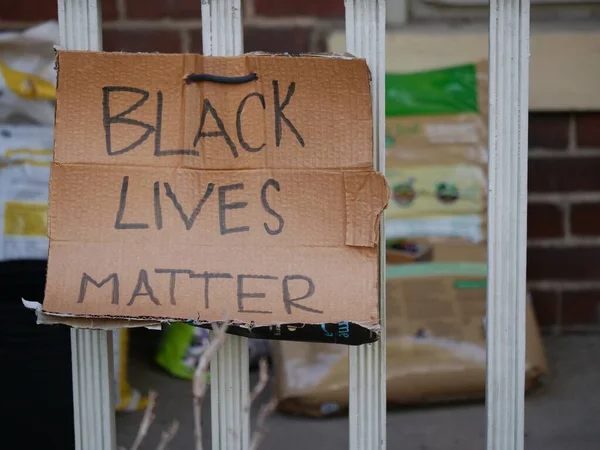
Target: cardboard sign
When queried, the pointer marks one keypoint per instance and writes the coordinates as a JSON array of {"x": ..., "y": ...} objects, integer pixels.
[{"x": 245, "y": 192}]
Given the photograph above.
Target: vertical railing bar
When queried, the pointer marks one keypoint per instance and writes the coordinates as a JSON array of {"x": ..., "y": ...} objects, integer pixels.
[
  {"x": 510, "y": 261},
  {"x": 91, "y": 358},
  {"x": 222, "y": 36},
  {"x": 507, "y": 221},
  {"x": 91, "y": 351},
  {"x": 365, "y": 37},
  {"x": 77, "y": 397},
  {"x": 244, "y": 365},
  {"x": 521, "y": 267},
  {"x": 504, "y": 161},
  {"x": 370, "y": 14},
  {"x": 354, "y": 375},
  {"x": 107, "y": 373}
]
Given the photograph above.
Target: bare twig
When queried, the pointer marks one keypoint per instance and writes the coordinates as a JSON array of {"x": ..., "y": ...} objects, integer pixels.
[
  {"x": 261, "y": 423},
  {"x": 200, "y": 378},
  {"x": 146, "y": 421},
  {"x": 266, "y": 409},
  {"x": 263, "y": 380},
  {"x": 167, "y": 436}
]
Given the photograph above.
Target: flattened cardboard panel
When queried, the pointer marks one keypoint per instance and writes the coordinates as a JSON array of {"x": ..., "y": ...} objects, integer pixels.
[
  {"x": 247, "y": 194},
  {"x": 246, "y": 285},
  {"x": 274, "y": 208},
  {"x": 300, "y": 112}
]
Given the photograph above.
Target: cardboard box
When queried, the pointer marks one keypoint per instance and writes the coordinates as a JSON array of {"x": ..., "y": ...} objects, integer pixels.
[
  {"x": 435, "y": 345},
  {"x": 203, "y": 189}
]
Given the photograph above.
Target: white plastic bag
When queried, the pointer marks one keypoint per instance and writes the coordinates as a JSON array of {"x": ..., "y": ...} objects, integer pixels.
[
  {"x": 25, "y": 158},
  {"x": 27, "y": 75}
]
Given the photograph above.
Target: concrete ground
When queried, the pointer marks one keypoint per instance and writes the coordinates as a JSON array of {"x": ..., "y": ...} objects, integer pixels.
[{"x": 564, "y": 415}]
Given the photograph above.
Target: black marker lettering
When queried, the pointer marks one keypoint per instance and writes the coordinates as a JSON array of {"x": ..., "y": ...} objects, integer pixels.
[
  {"x": 158, "y": 135},
  {"x": 288, "y": 301},
  {"x": 121, "y": 118},
  {"x": 279, "y": 114},
  {"x": 157, "y": 208},
  {"x": 267, "y": 207},
  {"x": 189, "y": 221},
  {"x": 173, "y": 277},
  {"x": 241, "y": 295},
  {"x": 85, "y": 279},
  {"x": 143, "y": 283},
  {"x": 208, "y": 108},
  {"x": 207, "y": 276},
  {"x": 224, "y": 206},
  {"x": 122, "y": 204},
  {"x": 238, "y": 123}
]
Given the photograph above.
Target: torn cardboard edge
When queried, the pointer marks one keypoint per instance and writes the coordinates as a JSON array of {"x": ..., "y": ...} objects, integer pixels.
[
  {"x": 86, "y": 323},
  {"x": 333, "y": 55},
  {"x": 345, "y": 333}
]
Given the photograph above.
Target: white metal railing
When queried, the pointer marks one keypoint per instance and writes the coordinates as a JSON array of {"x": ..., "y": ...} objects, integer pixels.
[
  {"x": 222, "y": 35},
  {"x": 91, "y": 350},
  {"x": 365, "y": 37},
  {"x": 79, "y": 22},
  {"x": 507, "y": 223}
]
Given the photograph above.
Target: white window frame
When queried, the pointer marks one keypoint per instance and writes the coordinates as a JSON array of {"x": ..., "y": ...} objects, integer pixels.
[{"x": 79, "y": 22}]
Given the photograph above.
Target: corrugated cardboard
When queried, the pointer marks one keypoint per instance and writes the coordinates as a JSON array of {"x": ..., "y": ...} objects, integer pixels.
[
  {"x": 250, "y": 200},
  {"x": 435, "y": 345}
]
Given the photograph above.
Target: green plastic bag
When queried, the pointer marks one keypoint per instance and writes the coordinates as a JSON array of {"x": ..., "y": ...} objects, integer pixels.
[
  {"x": 451, "y": 90},
  {"x": 181, "y": 348}
]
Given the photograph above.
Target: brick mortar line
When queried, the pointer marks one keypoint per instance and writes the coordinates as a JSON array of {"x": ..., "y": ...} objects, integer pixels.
[
  {"x": 158, "y": 25},
  {"x": 579, "y": 329},
  {"x": 539, "y": 153},
  {"x": 249, "y": 8},
  {"x": 314, "y": 40},
  {"x": 566, "y": 212},
  {"x": 183, "y": 24},
  {"x": 564, "y": 242},
  {"x": 551, "y": 331},
  {"x": 563, "y": 286},
  {"x": 10, "y": 25},
  {"x": 257, "y": 21},
  {"x": 559, "y": 312},
  {"x": 290, "y": 22},
  {"x": 562, "y": 198},
  {"x": 186, "y": 41},
  {"x": 121, "y": 9},
  {"x": 572, "y": 134}
]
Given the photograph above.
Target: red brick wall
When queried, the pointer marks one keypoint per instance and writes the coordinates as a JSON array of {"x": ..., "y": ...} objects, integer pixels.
[
  {"x": 564, "y": 179},
  {"x": 564, "y": 218}
]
